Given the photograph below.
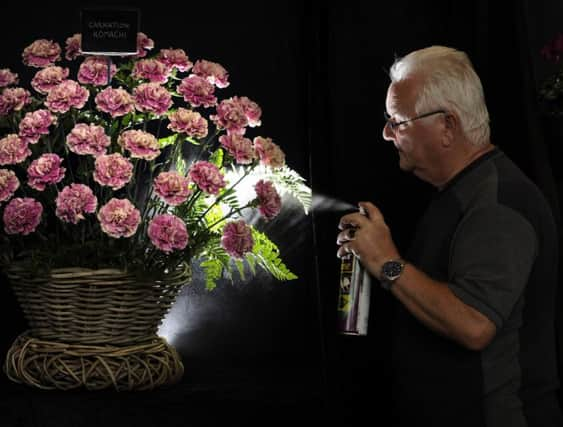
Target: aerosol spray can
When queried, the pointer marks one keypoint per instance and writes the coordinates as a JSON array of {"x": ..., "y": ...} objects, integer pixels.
[{"x": 353, "y": 296}]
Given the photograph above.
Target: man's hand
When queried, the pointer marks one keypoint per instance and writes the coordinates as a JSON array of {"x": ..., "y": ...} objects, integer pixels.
[{"x": 366, "y": 237}]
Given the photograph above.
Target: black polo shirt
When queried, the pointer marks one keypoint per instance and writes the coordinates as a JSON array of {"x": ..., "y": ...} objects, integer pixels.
[{"x": 490, "y": 235}]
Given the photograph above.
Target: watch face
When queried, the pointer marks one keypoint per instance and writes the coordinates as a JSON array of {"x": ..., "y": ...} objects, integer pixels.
[{"x": 392, "y": 269}]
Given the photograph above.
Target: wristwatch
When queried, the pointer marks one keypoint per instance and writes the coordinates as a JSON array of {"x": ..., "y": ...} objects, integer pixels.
[{"x": 391, "y": 271}]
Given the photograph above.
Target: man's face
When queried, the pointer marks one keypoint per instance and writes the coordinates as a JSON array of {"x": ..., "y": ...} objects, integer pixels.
[{"x": 417, "y": 142}]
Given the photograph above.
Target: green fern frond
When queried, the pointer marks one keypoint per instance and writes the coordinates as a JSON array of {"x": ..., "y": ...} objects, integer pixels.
[
  {"x": 267, "y": 255},
  {"x": 289, "y": 181}
]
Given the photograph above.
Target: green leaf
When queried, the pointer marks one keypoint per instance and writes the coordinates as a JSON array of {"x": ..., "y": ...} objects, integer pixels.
[
  {"x": 168, "y": 140},
  {"x": 217, "y": 158},
  {"x": 240, "y": 267},
  {"x": 213, "y": 269},
  {"x": 289, "y": 181},
  {"x": 267, "y": 255},
  {"x": 193, "y": 140}
]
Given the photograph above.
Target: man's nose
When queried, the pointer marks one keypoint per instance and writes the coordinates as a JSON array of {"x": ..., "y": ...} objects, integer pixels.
[{"x": 388, "y": 134}]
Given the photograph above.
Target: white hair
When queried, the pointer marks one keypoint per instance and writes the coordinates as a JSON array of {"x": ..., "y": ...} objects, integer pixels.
[{"x": 449, "y": 83}]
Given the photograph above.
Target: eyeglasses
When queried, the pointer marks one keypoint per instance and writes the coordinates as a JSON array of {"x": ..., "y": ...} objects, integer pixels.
[{"x": 395, "y": 125}]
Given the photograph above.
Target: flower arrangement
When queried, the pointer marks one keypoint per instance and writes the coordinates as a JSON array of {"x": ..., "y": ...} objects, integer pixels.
[
  {"x": 551, "y": 88},
  {"x": 136, "y": 165}
]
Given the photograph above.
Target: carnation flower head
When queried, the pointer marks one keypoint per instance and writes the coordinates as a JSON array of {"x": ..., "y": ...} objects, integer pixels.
[
  {"x": 66, "y": 95},
  {"x": 74, "y": 201},
  {"x": 207, "y": 177},
  {"x": 13, "y": 150},
  {"x": 49, "y": 77},
  {"x": 197, "y": 91},
  {"x": 72, "y": 46},
  {"x": 189, "y": 122},
  {"x": 119, "y": 218},
  {"x": 141, "y": 144},
  {"x": 144, "y": 43},
  {"x": 88, "y": 139},
  {"x": 175, "y": 58},
  {"x": 22, "y": 215},
  {"x": 7, "y": 78},
  {"x": 115, "y": 102},
  {"x": 34, "y": 124},
  {"x": 152, "y": 98},
  {"x": 230, "y": 116},
  {"x": 251, "y": 109},
  {"x": 270, "y": 153},
  {"x": 44, "y": 171},
  {"x": 213, "y": 72},
  {"x": 172, "y": 187},
  {"x": 112, "y": 170},
  {"x": 13, "y": 99},
  {"x": 269, "y": 201},
  {"x": 152, "y": 70},
  {"x": 94, "y": 71},
  {"x": 168, "y": 232},
  {"x": 9, "y": 183},
  {"x": 41, "y": 53},
  {"x": 239, "y": 147},
  {"x": 237, "y": 238}
]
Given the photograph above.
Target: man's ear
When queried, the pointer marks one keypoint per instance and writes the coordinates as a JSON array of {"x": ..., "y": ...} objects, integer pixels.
[{"x": 451, "y": 128}]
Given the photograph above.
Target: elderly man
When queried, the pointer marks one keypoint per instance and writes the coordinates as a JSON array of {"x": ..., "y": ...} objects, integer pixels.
[{"x": 473, "y": 335}]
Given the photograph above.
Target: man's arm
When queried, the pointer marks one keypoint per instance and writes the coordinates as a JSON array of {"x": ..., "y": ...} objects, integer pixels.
[
  {"x": 491, "y": 259},
  {"x": 435, "y": 305}
]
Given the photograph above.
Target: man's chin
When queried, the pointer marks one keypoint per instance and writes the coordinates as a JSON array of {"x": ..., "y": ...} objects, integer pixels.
[{"x": 404, "y": 164}]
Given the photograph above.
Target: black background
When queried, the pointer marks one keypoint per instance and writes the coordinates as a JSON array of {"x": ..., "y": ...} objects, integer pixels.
[{"x": 258, "y": 350}]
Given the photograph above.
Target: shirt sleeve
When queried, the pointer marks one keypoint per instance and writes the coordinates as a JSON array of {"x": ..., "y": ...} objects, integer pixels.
[{"x": 491, "y": 257}]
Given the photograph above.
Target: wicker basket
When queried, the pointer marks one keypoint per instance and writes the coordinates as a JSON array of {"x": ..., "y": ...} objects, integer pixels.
[{"x": 93, "y": 329}]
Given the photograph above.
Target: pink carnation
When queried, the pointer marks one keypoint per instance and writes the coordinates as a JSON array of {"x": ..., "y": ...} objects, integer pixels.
[
  {"x": 66, "y": 95},
  {"x": 197, "y": 91},
  {"x": 34, "y": 124},
  {"x": 207, "y": 177},
  {"x": 41, "y": 53},
  {"x": 9, "y": 183},
  {"x": 269, "y": 201},
  {"x": 152, "y": 70},
  {"x": 45, "y": 170},
  {"x": 13, "y": 150},
  {"x": 94, "y": 71},
  {"x": 73, "y": 46},
  {"x": 88, "y": 139},
  {"x": 211, "y": 71},
  {"x": 74, "y": 201},
  {"x": 112, "y": 170},
  {"x": 239, "y": 147},
  {"x": 143, "y": 44},
  {"x": 270, "y": 154},
  {"x": 168, "y": 232},
  {"x": 22, "y": 215},
  {"x": 7, "y": 78},
  {"x": 116, "y": 102},
  {"x": 230, "y": 116},
  {"x": 152, "y": 98},
  {"x": 49, "y": 77},
  {"x": 172, "y": 187},
  {"x": 141, "y": 144},
  {"x": 188, "y": 122},
  {"x": 175, "y": 58},
  {"x": 13, "y": 99},
  {"x": 119, "y": 218},
  {"x": 251, "y": 109},
  {"x": 237, "y": 239}
]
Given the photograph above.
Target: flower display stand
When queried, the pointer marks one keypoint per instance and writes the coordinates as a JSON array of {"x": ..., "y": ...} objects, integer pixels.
[{"x": 93, "y": 329}]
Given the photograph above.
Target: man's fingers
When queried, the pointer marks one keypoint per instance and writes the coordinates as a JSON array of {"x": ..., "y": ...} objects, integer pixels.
[{"x": 370, "y": 210}]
